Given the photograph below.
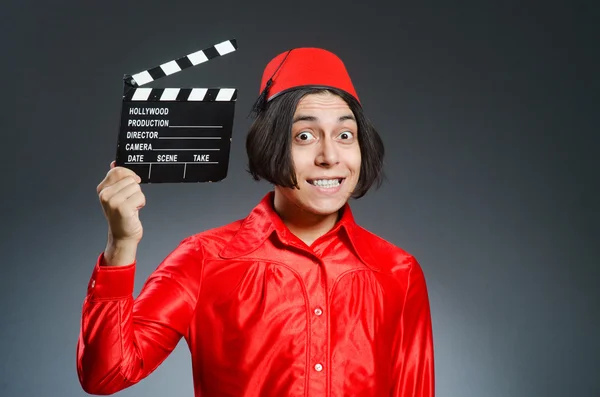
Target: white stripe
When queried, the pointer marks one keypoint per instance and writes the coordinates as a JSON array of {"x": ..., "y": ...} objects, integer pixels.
[
  {"x": 170, "y": 67},
  {"x": 197, "y": 57},
  {"x": 169, "y": 94},
  {"x": 142, "y": 77},
  {"x": 225, "y": 47},
  {"x": 141, "y": 94},
  {"x": 225, "y": 94},
  {"x": 197, "y": 94}
]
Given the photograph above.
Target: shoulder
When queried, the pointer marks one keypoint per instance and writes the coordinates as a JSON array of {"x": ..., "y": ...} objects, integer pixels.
[
  {"x": 381, "y": 253},
  {"x": 212, "y": 241},
  {"x": 392, "y": 262}
]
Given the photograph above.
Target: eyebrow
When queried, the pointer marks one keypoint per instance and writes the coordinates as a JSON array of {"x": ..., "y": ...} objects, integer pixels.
[{"x": 313, "y": 118}]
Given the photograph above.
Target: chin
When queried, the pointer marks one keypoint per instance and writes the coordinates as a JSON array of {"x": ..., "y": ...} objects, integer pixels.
[
  {"x": 322, "y": 210},
  {"x": 322, "y": 206}
]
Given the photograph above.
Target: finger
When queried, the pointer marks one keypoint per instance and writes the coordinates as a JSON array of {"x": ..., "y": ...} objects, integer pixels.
[
  {"x": 120, "y": 203},
  {"x": 127, "y": 200},
  {"x": 115, "y": 175},
  {"x": 137, "y": 200},
  {"x": 107, "y": 192},
  {"x": 113, "y": 164}
]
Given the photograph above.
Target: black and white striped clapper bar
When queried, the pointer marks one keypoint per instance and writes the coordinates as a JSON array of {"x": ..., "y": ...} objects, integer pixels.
[{"x": 170, "y": 135}]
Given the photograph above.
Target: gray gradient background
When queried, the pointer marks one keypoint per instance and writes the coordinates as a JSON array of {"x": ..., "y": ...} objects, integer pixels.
[{"x": 489, "y": 114}]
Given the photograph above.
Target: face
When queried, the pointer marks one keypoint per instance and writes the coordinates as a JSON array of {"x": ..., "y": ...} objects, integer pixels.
[{"x": 325, "y": 154}]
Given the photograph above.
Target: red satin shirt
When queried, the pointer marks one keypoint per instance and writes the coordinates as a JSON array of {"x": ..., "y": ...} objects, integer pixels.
[{"x": 264, "y": 314}]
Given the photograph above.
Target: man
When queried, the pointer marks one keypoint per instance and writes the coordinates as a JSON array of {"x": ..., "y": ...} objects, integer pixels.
[{"x": 294, "y": 300}]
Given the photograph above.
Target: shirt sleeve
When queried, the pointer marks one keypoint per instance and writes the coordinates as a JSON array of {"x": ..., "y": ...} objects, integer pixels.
[
  {"x": 413, "y": 372},
  {"x": 123, "y": 340}
]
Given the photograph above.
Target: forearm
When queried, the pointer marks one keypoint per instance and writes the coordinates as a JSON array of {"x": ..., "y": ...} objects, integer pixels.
[
  {"x": 102, "y": 366},
  {"x": 105, "y": 350},
  {"x": 123, "y": 340}
]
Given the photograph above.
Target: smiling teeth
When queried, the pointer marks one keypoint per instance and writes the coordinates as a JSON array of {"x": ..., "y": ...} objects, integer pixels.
[{"x": 326, "y": 182}]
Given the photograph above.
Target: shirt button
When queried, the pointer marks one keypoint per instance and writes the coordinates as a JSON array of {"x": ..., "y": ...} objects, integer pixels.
[
  {"x": 318, "y": 311},
  {"x": 319, "y": 367},
  {"x": 93, "y": 283}
]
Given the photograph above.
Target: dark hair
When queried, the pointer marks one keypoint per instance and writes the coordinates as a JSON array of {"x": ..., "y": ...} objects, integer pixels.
[{"x": 268, "y": 143}]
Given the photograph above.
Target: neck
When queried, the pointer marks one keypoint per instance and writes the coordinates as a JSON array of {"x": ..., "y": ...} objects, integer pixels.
[{"x": 305, "y": 225}]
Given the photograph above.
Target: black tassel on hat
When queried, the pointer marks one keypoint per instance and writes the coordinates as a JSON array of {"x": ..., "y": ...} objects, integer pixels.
[{"x": 261, "y": 102}]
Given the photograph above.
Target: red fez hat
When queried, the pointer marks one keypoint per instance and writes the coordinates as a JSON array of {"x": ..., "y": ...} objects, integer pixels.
[{"x": 303, "y": 67}]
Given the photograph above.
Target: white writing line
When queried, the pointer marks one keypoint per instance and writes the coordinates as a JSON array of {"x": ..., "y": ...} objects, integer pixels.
[
  {"x": 199, "y": 150},
  {"x": 189, "y": 137},
  {"x": 171, "y": 162},
  {"x": 195, "y": 126}
]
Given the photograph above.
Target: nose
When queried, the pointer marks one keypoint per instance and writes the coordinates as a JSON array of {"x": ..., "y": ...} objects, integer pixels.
[{"x": 327, "y": 155}]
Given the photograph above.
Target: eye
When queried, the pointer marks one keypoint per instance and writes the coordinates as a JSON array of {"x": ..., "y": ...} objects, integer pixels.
[
  {"x": 305, "y": 136},
  {"x": 346, "y": 135}
]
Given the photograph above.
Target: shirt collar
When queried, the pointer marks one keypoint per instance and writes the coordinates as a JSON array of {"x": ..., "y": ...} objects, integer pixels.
[{"x": 263, "y": 221}]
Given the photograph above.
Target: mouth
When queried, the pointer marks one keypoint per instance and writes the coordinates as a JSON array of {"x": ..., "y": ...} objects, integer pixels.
[{"x": 327, "y": 183}]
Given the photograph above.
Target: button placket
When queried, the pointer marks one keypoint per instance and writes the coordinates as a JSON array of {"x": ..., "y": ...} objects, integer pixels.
[{"x": 317, "y": 287}]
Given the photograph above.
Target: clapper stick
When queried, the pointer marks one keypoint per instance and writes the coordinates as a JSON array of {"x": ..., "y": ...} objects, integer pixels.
[{"x": 171, "y": 135}]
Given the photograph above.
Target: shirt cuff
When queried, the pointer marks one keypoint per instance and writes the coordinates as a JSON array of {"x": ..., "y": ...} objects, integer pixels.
[{"x": 111, "y": 282}]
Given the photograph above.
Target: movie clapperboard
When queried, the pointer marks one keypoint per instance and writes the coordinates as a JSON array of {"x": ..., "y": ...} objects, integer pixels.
[{"x": 170, "y": 135}]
